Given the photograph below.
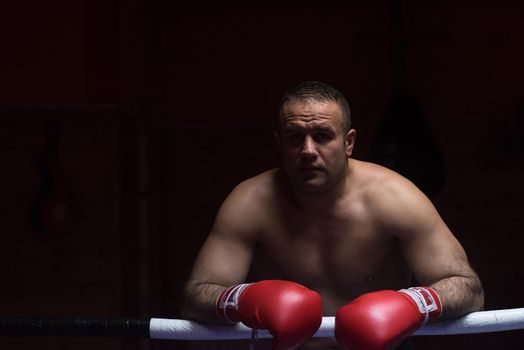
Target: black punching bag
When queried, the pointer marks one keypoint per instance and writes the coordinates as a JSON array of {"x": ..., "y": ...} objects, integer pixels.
[
  {"x": 51, "y": 211},
  {"x": 405, "y": 142}
]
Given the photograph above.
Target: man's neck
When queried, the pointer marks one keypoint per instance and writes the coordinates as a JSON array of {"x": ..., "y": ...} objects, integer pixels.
[{"x": 324, "y": 200}]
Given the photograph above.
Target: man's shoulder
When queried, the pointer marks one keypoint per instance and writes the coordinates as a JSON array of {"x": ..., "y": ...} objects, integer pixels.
[
  {"x": 260, "y": 183},
  {"x": 391, "y": 198},
  {"x": 379, "y": 184},
  {"x": 258, "y": 189},
  {"x": 371, "y": 176},
  {"x": 245, "y": 209}
]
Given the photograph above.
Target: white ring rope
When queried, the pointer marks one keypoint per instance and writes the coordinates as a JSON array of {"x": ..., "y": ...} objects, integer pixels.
[
  {"x": 157, "y": 328},
  {"x": 476, "y": 322}
]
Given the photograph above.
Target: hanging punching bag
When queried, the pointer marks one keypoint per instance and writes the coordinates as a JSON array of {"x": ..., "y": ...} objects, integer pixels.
[
  {"x": 52, "y": 208},
  {"x": 405, "y": 142}
]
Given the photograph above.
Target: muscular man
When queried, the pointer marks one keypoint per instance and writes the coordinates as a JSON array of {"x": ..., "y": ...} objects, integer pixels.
[{"x": 347, "y": 229}]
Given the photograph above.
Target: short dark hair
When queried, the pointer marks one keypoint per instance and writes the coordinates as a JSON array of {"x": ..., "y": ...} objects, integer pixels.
[{"x": 320, "y": 92}]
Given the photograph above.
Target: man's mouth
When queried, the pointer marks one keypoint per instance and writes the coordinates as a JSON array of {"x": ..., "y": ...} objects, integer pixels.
[{"x": 310, "y": 168}]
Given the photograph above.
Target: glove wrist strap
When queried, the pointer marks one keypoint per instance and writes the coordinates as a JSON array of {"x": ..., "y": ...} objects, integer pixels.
[
  {"x": 228, "y": 302},
  {"x": 427, "y": 301}
]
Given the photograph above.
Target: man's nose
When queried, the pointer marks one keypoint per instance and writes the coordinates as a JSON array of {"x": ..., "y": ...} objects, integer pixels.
[{"x": 309, "y": 149}]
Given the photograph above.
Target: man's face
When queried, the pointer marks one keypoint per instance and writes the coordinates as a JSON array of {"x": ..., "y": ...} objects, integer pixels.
[{"x": 313, "y": 144}]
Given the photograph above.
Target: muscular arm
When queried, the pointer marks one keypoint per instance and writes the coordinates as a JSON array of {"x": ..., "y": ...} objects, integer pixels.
[
  {"x": 438, "y": 260},
  {"x": 460, "y": 294},
  {"x": 224, "y": 259},
  {"x": 433, "y": 254}
]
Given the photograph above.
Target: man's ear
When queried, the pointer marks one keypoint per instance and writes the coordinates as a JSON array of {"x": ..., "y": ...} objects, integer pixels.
[{"x": 350, "y": 142}]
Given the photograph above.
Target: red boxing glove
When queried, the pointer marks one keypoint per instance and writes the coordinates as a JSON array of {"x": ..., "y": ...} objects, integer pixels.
[
  {"x": 291, "y": 312},
  {"x": 383, "y": 319}
]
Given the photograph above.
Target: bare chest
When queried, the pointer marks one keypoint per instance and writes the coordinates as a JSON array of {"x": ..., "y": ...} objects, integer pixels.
[{"x": 340, "y": 258}]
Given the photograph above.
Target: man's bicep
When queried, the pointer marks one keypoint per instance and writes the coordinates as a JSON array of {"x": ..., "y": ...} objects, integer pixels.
[
  {"x": 226, "y": 255},
  {"x": 223, "y": 260},
  {"x": 430, "y": 248},
  {"x": 435, "y": 254}
]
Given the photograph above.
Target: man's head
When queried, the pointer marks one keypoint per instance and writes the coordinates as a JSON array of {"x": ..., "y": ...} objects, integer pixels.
[
  {"x": 314, "y": 137},
  {"x": 319, "y": 92}
]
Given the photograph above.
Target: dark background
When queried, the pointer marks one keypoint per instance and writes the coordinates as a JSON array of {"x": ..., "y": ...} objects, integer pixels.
[{"x": 163, "y": 107}]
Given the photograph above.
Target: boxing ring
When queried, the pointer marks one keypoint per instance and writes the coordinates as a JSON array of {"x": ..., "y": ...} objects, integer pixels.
[{"x": 176, "y": 329}]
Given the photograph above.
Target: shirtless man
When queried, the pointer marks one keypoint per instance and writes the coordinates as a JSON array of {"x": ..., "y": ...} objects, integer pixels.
[{"x": 341, "y": 227}]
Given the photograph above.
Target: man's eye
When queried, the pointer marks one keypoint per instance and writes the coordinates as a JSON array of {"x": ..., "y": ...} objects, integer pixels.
[
  {"x": 295, "y": 136},
  {"x": 322, "y": 137}
]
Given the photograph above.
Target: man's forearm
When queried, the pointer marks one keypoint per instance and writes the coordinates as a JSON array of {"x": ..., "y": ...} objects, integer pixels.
[
  {"x": 199, "y": 302},
  {"x": 459, "y": 295}
]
